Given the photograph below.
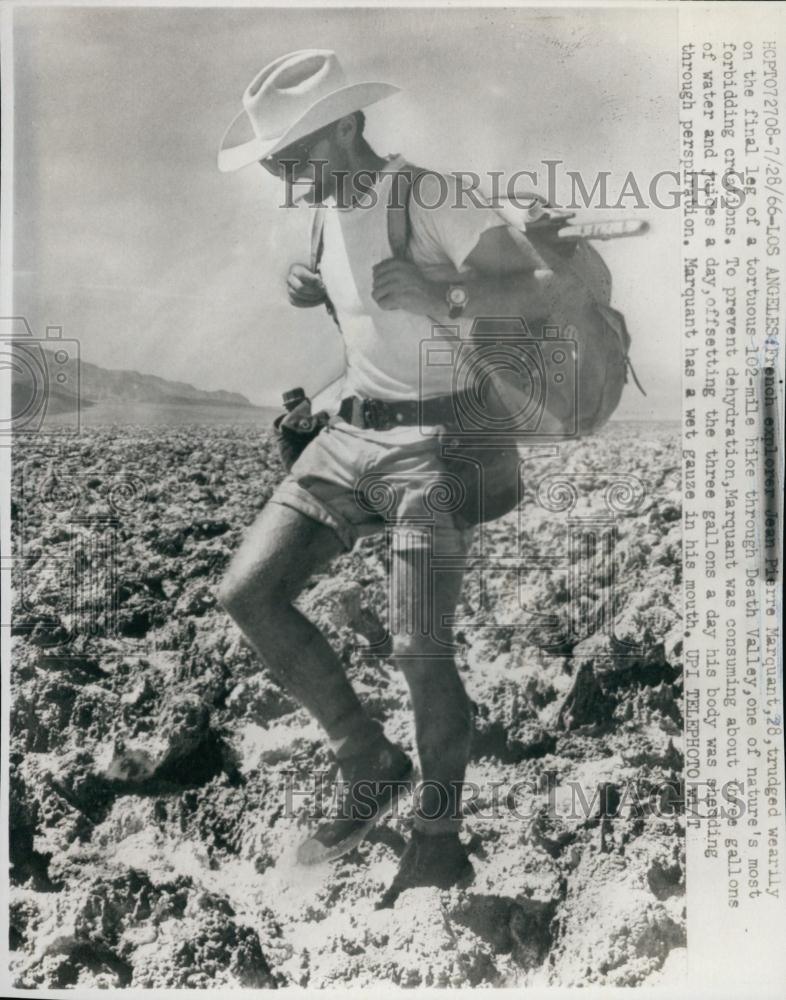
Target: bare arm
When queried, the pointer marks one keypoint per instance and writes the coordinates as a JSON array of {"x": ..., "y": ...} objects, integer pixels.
[{"x": 502, "y": 282}]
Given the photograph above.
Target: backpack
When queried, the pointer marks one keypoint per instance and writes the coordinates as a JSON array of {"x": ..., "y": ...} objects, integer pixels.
[{"x": 594, "y": 336}]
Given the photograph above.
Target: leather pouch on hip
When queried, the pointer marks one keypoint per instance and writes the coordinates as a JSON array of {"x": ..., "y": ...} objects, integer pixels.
[
  {"x": 489, "y": 478},
  {"x": 296, "y": 429}
]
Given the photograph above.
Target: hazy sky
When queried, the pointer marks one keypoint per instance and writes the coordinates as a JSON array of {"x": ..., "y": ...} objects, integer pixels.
[{"x": 129, "y": 238}]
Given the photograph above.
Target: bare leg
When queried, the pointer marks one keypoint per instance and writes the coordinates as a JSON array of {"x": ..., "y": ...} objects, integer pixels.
[
  {"x": 421, "y": 598},
  {"x": 281, "y": 550}
]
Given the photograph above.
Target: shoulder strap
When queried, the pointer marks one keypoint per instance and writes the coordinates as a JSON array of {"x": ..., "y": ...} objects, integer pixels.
[
  {"x": 317, "y": 245},
  {"x": 398, "y": 217},
  {"x": 399, "y": 225},
  {"x": 317, "y": 236}
]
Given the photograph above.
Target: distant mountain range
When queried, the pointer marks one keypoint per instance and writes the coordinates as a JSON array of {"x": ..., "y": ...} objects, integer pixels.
[{"x": 95, "y": 385}]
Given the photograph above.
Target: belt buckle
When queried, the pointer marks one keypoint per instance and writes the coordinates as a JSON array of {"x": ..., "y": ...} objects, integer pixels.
[
  {"x": 357, "y": 413},
  {"x": 376, "y": 414}
]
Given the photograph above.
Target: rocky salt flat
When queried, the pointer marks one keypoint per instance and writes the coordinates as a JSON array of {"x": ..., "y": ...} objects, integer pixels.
[{"x": 160, "y": 778}]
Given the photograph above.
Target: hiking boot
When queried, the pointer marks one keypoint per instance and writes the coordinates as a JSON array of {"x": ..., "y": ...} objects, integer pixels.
[
  {"x": 438, "y": 860},
  {"x": 373, "y": 783}
]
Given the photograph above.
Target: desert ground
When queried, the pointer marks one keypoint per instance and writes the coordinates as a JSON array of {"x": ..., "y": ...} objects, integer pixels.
[{"x": 160, "y": 778}]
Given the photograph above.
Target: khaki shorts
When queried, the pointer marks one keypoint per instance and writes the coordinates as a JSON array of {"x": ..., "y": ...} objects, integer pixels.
[{"x": 363, "y": 482}]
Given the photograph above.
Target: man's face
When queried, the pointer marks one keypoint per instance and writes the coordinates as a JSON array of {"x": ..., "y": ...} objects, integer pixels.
[{"x": 310, "y": 160}]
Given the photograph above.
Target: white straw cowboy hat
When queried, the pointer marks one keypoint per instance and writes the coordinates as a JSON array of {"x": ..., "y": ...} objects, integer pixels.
[{"x": 291, "y": 97}]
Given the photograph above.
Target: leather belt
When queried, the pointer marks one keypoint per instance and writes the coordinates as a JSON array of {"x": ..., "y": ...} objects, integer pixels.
[{"x": 384, "y": 414}]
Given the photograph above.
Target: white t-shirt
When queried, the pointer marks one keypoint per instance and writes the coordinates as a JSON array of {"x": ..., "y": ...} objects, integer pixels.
[{"x": 386, "y": 350}]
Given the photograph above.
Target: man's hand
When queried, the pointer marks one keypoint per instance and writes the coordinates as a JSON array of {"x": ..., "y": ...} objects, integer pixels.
[
  {"x": 304, "y": 287},
  {"x": 397, "y": 284}
]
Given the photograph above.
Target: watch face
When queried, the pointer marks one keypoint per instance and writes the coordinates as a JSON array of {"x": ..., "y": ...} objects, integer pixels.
[{"x": 457, "y": 295}]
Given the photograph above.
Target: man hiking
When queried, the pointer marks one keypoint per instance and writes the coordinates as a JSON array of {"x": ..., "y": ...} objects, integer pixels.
[{"x": 461, "y": 262}]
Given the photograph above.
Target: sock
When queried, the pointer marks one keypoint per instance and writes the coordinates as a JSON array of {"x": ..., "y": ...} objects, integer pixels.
[
  {"x": 444, "y": 825},
  {"x": 360, "y": 734},
  {"x": 438, "y": 807}
]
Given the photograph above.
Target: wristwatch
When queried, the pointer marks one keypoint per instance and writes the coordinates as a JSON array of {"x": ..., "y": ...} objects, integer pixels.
[{"x": 457, "y": 299}]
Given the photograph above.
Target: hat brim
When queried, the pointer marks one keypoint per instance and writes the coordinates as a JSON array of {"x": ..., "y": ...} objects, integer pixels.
[{"x": 324, "y": 111}]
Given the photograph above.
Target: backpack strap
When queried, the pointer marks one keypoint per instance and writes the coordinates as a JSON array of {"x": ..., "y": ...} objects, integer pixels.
[
  {"x": 317, "y": 236},
  {"x": 317, "y": 245},
  {"x": 615, "y": 321},
  {"x": 399, "y": 225}
]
